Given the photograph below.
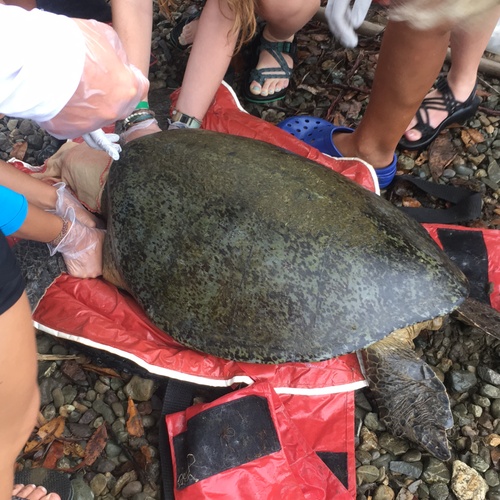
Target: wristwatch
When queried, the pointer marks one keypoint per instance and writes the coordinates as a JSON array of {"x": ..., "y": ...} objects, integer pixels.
[{"x": 189, "y": 121}]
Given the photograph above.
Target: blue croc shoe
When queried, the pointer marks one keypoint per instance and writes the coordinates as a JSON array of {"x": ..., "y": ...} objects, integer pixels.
[{"x": 319, "y": 133}]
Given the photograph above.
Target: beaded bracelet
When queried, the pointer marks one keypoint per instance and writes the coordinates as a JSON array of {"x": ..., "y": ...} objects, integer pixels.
[
  {"x": 137, "y": 116},
  {"x": 64, "y": 231}
]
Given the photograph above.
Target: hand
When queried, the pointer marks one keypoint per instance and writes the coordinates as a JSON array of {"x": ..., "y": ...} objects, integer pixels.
[
  {"x": 342, "y": 20},
  {"x": 81, "y": 247},
  {"x": 98, "y": 139},
  {"x": 109, "y": 88},
  {"x": 65, "y": 200}
]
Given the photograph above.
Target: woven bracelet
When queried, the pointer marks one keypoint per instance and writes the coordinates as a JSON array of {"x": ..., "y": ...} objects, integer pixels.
[{"x": 62, "y": 234}]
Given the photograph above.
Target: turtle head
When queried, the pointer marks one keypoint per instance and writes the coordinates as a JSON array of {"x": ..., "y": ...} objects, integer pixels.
[{"x": 434, "y": 440}]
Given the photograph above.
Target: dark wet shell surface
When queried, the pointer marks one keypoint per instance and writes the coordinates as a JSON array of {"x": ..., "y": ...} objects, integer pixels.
[{"x": 240, "y": 249}]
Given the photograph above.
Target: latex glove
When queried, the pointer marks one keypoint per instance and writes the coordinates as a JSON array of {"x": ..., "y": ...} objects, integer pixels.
[
  {"x": 343, "y": 20},
  {"x": 65, "y": 200},
  {"x": 81, "y": 248},
  {"x": 110, "y": 88},
  {"x": 98, "y": 139}
]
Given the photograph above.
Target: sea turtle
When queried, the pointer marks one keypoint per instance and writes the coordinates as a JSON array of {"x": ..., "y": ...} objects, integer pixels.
[{"x": 240, "y": 249}]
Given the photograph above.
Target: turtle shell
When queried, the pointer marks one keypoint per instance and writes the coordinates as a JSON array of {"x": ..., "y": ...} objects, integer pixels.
[{"x": 240, "y": 249}]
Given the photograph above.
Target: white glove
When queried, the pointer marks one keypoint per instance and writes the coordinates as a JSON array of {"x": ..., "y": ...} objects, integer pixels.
[
  {"x": 343, "y": 20},
  {"x": 98, "y": 139}
]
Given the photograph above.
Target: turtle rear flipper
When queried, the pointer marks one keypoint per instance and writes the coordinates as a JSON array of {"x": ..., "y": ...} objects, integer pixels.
[{"x": 411, "y": 400}]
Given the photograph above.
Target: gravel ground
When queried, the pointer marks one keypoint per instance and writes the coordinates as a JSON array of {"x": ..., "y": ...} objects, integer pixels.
[{"x": 330, "y": 82}]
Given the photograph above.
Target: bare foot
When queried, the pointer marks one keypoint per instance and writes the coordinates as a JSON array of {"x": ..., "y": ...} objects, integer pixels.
[
  {"x": 32, "y": 492},
  {"x": 189, "y": 32},
  {"x": 266, "y": 60},
  {"x": 461, "y": 93}
]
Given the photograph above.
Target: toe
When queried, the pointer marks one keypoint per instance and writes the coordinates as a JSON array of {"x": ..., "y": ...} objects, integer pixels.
[
  {"x": 255, "y": 88},
  {"x": 413, "y": 135}
]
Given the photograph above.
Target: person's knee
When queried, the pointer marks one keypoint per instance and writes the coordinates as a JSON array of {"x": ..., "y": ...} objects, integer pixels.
[{"x": 295, "y": 11}]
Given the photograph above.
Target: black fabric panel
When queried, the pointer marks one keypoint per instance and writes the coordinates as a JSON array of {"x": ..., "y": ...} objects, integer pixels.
[
  {"x": 99, "y": 10},
  {"x": 224, "y": 437},
  {"x": 337, "y": 463},
  {"x": 11, "y": 281},
  {"x": 468, "y": 251}
]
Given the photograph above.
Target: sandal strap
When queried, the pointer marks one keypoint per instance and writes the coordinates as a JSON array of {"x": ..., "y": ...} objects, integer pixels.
[
  {"x": 445, "y": 102},
  {"x": 276, "y": 49}
]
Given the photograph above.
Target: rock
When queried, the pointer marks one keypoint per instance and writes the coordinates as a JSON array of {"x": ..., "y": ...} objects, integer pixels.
[
  {"x": 466, "y": 483},
  {"x": 413, "y": 470},
  {"x": 462, "y": 380},
  {"x": 98, "y": 484},
  {"x": 436, "y": 472},
  {"x": 139, "y": 389},
  {"x": 488, "y": 375},
  {"x": 384, "y": 492},
  {"x": 366, "y": 474},
  {"x": 131, "y": 489},
  {"x": 439, "y": 491},
  {"x": 81, "y": 490}
]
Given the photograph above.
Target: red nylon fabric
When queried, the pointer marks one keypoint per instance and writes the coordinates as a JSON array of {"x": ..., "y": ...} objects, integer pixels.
[{"x": 292, "y": 473}]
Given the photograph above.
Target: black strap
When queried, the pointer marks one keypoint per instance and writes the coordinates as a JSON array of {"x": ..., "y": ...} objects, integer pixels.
[
  {"x": 178, "y": 396},
  {"x": 467, "y": 203}
]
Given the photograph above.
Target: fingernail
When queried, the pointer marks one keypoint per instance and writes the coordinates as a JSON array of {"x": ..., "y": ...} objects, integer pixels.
[{"x": 255, "y": 88}]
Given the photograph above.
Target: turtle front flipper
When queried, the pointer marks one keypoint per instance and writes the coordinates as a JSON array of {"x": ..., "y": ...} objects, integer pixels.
[{"x": 412, "y": 401}]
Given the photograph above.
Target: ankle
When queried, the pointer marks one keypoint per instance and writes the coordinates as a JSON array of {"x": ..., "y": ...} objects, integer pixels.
[
  {"x": 461, "y": 87},
  {"x": 346, "y": 145},
  {"x": 267, "y": 33}
]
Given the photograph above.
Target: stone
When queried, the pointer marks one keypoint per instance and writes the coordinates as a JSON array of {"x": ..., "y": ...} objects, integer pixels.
[
  {"x": 466, "y": 483},
  {"x": 139, "y": 389}
]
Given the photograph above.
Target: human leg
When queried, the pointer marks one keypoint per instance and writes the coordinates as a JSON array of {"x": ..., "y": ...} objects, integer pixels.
[
  {"x": 467, "y": 44},
  {"x": 209, "y": 59},
  {"x": 18, "y": 370},
  {"x": 282, "y": 22},
  {"x": 408, "y": 63}
]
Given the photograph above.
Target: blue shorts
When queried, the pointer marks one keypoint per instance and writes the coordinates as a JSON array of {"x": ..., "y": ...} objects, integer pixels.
[
  {"x": 99, "y": 10},
  {"x": 11, "y": 280}
]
